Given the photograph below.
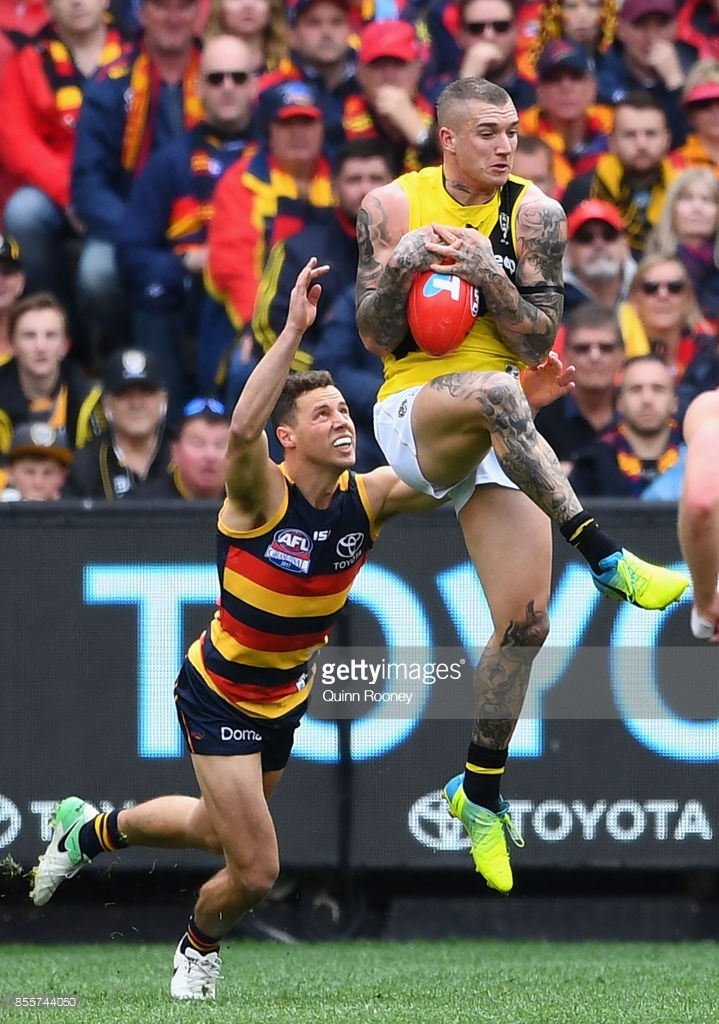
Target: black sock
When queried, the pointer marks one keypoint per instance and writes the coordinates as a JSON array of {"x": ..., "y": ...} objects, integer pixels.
[
  {"x": 483, "y": 775},
  {"x": 196, "y": 939},
  {"x": 582, "y": 531},
  {"x": 101, "y": 835}
]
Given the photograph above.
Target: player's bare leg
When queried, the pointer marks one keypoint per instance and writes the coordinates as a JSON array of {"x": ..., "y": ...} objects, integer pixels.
[
  {"x": 235, "y": 794},
  {"x": 509, "y": 541},
  {"x": 455, "y": 417}
]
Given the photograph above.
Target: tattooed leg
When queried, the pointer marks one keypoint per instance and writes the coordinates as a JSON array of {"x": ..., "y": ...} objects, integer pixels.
[
  {"x": 523, "y": 454},
  {"x": 502, "y": 678}
]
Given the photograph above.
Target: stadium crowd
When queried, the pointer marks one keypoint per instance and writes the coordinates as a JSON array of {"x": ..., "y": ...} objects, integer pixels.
[{"x": 166, "y": 166}]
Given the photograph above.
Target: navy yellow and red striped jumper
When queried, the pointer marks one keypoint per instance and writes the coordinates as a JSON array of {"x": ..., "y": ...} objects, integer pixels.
[{"x": 282, "y": 587}]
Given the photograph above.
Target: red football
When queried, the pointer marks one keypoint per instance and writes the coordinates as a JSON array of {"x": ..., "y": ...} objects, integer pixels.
[{"x": 441, "y": 309}]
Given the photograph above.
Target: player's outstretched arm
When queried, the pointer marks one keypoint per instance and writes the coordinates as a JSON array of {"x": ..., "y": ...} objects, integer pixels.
[
  {"x": 527, "y": 315},
  {"x": 254, "y": 484}
]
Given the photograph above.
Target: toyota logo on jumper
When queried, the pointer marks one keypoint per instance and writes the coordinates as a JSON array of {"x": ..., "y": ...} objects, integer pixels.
[{"x": 349, "y": 545}]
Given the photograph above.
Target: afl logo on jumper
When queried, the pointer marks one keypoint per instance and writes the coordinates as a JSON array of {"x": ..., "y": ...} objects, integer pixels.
[
  {"x": 290, "y": 549},
  {"x": 350, "y": 545}
]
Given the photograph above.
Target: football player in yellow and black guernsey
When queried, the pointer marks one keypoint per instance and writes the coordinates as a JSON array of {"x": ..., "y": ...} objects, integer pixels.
[{"x": 459, "y": 425}]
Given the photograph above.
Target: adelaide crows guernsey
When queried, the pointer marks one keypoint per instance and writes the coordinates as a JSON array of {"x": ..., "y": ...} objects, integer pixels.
[
  {"x": 282, "y": 587},
  {"x": 483, "y": 348}
]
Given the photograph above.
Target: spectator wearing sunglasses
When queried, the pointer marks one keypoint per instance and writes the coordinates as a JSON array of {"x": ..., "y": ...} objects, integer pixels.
[
  {"x": 661, "y": 317},
  {"x": 645, "y": 55},
  {"x": 162, "y": 248},
  {"x": 597, "y": 265},
  {"x": 197, "y": 469},
  {"x": 689, "y": 229},
  {"x": 594, "y": 346},
  {"x": 566, "y": 114},
  {"x": 646, "y": 442},
  {"x": 478, "y": 39},
  {"x": 700, "y": 100}
]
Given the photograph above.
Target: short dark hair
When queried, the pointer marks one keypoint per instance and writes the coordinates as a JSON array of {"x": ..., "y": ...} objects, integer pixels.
[
  {"x": 533, "y": 144},
  {"x": 37, "y": 300},
  {"x": 463, "y": 90},
  {"x": 640, "y": 99},
  {"x": 297, "y": 384},
  {"x": 361, "y": 149},
  {"x": 592, "y": 314}
]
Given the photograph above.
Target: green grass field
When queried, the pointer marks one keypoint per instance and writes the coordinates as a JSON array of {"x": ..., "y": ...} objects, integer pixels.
[{"x": 382, "y": 982}]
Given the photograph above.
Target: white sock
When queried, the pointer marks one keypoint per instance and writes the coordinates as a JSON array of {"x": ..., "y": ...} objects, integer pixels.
[{"x": 701, "y": 628}]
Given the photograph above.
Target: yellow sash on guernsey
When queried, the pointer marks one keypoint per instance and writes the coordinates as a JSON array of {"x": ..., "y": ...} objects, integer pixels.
[{"x": 483, "y": 348}]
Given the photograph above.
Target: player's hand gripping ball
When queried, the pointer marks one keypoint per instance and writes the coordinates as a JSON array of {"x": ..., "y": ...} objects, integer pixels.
[{"x": 441, "y": 309}]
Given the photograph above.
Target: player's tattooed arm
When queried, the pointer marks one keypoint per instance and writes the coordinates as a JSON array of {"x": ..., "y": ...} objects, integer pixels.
[
  {"x": 388, "y": 259},
  {"x": 528, "y": 314}
]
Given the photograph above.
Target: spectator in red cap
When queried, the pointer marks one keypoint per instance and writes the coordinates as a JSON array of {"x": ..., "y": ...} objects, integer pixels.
[
  {"x": 392, "y": 107},
  {"x": 321, "y": 55},
  {"x": 697, "y": 31},
  {"x": 597, "y": 264},
  {"x": 700, "y": 99},
  {"x": 644, "y": 55},
  {"x": 264, "y": 198},
  {"x": 566, "y": 115}
]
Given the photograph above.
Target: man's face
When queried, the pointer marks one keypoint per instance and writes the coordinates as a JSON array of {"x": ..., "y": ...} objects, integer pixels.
[
  {"x": 483, "y": 143},
  {"x": 39, "y": 342},
  {"x": 538, "y": 168},
  {"x": 489, "y": 21},
  {"x": 169, "y": 25},
  {"x": 646, "y": 398},
  {"x": 564, "y": 94},
  {"x": 136, "y": 412},
  {"x": 597, "y": 252},
  {"x": 597, "y": 355},
  {"x": 37, "y": 477},
  {"x": 323, "y": 431},
  {"x": 639, "y": 37},
  {"x": 357, "y": 177},
  {"x": 403, "y": 74},
  {"x": 296, "y": 141},
  {"x": 76, "y": 17},
  {"x": 322, "y": 34},
  {"x": 227, "y": 102},
  {"x": 199, "y": 454},
  {"x": 640, "y": 138}
]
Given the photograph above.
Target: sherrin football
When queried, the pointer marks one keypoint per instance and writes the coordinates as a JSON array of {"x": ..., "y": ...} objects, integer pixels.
[{"x": 441, "y": 309}]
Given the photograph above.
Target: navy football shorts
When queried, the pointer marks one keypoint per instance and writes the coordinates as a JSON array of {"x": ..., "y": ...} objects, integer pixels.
[{"x": 212, "y": 725}]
